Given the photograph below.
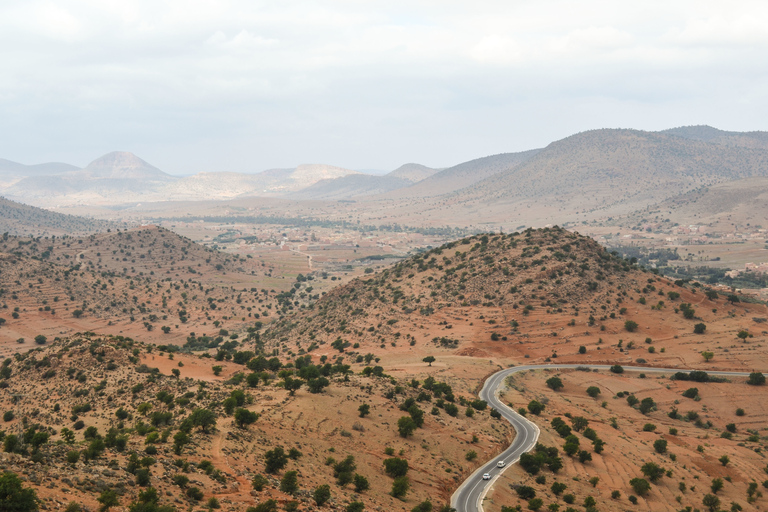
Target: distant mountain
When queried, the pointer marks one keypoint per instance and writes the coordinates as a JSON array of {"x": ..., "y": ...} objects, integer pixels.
[
  {"x": 23, "y": 220},
  {"x": 351, "y": 186},
  {"x": 758, "y": 140},
  {"x": 462, "y": 175},
  {"x": 115, "y": 177},
  {"x": 121, "y": 165},
  {"x": 13, "y": 172},
  {"x": 412, "y": 172},
  {"x": 740, "y": 202},
  {"x": 616, "y": 171},
  {"x": 121, "y": 177}
]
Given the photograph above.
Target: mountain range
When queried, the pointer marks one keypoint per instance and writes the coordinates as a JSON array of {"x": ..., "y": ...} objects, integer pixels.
[{"x": 595, "y": 173}]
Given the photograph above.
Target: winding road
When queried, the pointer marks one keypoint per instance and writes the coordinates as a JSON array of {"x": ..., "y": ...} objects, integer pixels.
[{"x": 470, "y": 494}]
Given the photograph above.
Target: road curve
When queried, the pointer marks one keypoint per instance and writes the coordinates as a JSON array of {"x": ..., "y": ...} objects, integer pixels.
[{"x": 470, "y": 494}]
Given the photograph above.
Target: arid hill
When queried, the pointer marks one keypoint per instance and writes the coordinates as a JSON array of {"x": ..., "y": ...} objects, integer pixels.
[
  {"x": 91, "y": 414},
  {"x": 539, "y": 294},
  {"x": 722, "y": 206},
  {"x": 21, "y": 219},
  {"x": 146, "y": 281}
]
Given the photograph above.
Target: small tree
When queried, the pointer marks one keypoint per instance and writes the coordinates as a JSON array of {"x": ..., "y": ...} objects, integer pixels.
[
  {"x": 712, "y": 502},
  {"x": 429, "y": 359},
  {"x": 361, "y": 483},
  {"x": 275, "y": 459},
  {"x": 40, "y": 339},
  {"x": 364, "y": 410},
  {"x": 244, "y": 417},
  {"x": 630, "y": 325},
  {"x": 406, "y": 426},
  {"x": 108, "y": 499},
  {"x": 660, "y": 445},
  {"x": 640, "y": 486},
  {"x": 290, "y": 482},
  {"x": 396, "y": 467},
  {"x": 724, "y": 460},
  {"x": 400, "y": 486},
  {"x": 217, "y": 370},
  {"x": 14, "y": 497},
  {"x": 652, "y": 471},
  {"x": 707, "y": 355},
  {"x": 617, "y": 368},
  {"x": 756, "y": 379},
  {"x": 322, "y": 494},
  {"x": 699, "y": 328},
  {"x": 593, "y": 391},
  {"x": 535, "y": 407},
  {"x": 555, "y": 383},
  {"x": 717, "y": 484}
]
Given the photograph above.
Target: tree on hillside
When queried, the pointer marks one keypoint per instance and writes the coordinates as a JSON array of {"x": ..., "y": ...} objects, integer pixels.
[
  {"x": 406, "y": 426},
  {"x": 707, "y": 355},
  {"x": 203, "y": 418},
  {"x": 756, "y": 379},
  {"x": 699, "y": 328},
  {"x": 555, "y": 383},
  {"x": 429, "y": 359},
  {"x": 630, "y": 325},
  {"x": 14, "y": 497}
]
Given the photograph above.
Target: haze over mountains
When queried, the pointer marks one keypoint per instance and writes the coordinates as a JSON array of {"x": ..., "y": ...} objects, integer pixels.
[{"x": 596, "y": 173}]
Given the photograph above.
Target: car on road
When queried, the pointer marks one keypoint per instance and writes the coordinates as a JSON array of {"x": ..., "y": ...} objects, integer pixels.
[
  {"x": 486, "y": 476},
  {"x": 501, "y": 464}
]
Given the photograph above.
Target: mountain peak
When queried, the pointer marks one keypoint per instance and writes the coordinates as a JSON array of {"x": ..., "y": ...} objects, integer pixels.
[{"x": 123, "y": 165}]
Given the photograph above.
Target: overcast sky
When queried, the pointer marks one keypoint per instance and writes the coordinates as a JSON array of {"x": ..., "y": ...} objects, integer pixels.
[{"x": 248, "y": 85}]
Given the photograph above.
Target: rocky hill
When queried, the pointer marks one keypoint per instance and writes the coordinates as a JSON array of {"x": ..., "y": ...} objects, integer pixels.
[{"x": 20, "y": 219}]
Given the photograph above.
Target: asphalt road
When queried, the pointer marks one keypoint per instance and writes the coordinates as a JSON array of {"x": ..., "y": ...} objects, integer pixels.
[{"x": 470, "y": 494}]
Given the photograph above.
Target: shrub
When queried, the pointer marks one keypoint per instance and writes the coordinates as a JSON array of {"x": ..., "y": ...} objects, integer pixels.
[
  {"x": 630, "y": 325},
  {"x": 617, "y": 369},
  {"x": 699, "y": 328},
  {"x": 756, "y": 379},
  {"x": 660, "y": 445},
  {"x": 194, "y": 493},
  {"x": 554, "y": 383},
  {"x": 526, "y": 492},
  {"x": 640, "y": 486},
  {"x": 535, "y": 407},
  {"x": 290, "y": 482},
  {"x": 322, "y": 494},
  {"x": 400, "y": 486},
  {"x": 652, "y": 471},
  {"x": 691, "y": 393},
  {"x": 396, "y": 467}
]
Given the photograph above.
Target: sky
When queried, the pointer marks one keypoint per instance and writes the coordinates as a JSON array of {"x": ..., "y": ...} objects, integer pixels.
[{"x": 195, "y": 85}]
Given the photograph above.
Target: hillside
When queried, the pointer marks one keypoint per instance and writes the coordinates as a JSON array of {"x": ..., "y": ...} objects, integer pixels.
[
  {"x": 124, "y": 416},
  {"x": 617, "y": 170},
  {"x": 412, "y": 342},
  {"x": 532, "y": 295},
  {"x": 23, "y": 220},
  {"x": 351, "y": 186},
  {"x": 462, "y": 175},
  {"x": 141, "y": 282},
  {"x": 705, "y": 133},
  {"x": 413, "y": 172},
  {"x": 719, "y": 207}
]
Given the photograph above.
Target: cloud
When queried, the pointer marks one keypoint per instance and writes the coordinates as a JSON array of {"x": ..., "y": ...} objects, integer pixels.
[{"x": 363, "y": 84}]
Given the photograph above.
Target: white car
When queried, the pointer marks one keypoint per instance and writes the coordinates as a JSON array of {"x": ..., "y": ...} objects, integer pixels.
[
  {"x": 501, "y": 464},
  {"x": 486, "y": 476}
]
